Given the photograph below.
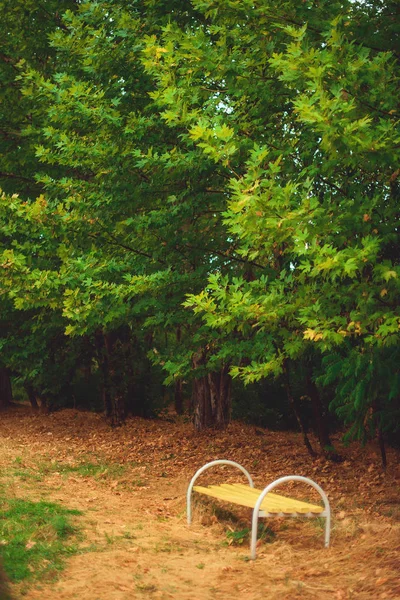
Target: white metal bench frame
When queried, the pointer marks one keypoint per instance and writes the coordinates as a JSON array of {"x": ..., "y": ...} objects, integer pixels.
[{"x": 257, "y": 513}]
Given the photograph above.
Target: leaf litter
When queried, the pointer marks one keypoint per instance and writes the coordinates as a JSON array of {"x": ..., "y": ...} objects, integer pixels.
[{"x": 137, "y": 543}]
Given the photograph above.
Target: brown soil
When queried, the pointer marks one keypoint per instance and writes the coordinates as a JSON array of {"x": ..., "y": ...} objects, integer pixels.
[{"x": 137, "y": 523}]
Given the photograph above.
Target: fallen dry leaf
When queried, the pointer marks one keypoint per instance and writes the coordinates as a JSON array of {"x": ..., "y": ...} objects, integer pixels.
[{"x": 30, "y": 545}]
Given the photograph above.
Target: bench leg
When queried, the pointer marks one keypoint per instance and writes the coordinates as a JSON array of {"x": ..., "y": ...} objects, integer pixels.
[
  {"x": 327, "y": 528},
  {"x": 271, "y": 486},
  {"x": 200, "y": 471},
  {"x": 254, "y": 532}
]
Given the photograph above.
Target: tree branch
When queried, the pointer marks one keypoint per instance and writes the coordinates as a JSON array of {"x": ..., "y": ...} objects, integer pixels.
[
  {"x": 115, "y": 242},
  {"x": 14, "y": 176}
]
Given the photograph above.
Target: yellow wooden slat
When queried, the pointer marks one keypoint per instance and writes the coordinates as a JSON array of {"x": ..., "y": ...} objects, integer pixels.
[
  {"x": 253, "y": 492},
  {"x": 249, "y": 501},
  {"x": 314, "y": 508},
  {"x": 242, "y": 499},
  {"x": 277, "y": 498},
  {"x": 272, "y": 503},
  {"x": 268, "y": 504},
  {"x": 247, "y": 496},
  {"x": 224, "y": 495}
]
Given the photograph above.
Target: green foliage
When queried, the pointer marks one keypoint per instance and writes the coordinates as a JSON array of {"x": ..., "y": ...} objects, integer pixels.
[
  {"x": 224, "y": 180},
  {"x": 25, "y": 27},
  {"x": 311, "y": 142},
  {"x": 264, "y": 404},
  {"x": 37, "y": 536},
  {"x": 367, "y": 390},
  {"x": 123, "y": 232},
  {"x": 238, "y": 537}
]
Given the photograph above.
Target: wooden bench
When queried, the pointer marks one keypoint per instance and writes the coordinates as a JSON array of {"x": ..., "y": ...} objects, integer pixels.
[{"x": 263, "y": 502}]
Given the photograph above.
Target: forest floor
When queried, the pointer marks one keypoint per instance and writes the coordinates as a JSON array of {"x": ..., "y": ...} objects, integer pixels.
[{"x": 133, "y": 520}]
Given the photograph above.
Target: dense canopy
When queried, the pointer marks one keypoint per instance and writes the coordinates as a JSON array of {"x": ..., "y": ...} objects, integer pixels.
[{"x": 200, "y": 191}]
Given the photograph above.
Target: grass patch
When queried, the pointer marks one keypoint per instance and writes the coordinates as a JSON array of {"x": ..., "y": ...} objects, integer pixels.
[
  {"x": 146, "y": 587},
  {"x": 35, "y": 537},
  {"x": 85, "y": 469},
  {"x": 99, "y": 471},
  {"x": 168, "y": 546},
  {"x": 236, "y": 537},
  {"x": 26, "y": 475},
  {"x": 96, "y": 470}
]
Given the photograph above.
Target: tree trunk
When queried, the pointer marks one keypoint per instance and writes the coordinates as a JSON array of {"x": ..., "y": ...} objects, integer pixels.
[
  {"x": 133, "y": 404},
  {"x": 379, "y": 433},
  {"x": 138, "y": 374},
  {"x": 5, "y": 388},
  {"x": 320, "y": 419},
  {"x": 295, "y": 409},
  {"x": 32, "y": 396},
  {"x": 211, "y": 397},
  {"x": 44, "y": 405},
  {"x": 178, "y": 397},
  {"x": 116, "y": 378},
  {"x": 178, "y": 392},
  {"x": 105, "y": 374},
  {"x": 381, "y": 442}
]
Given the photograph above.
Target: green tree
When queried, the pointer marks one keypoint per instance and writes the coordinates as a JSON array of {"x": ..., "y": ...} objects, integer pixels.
[
  {"x": 130, "y": 220},
  {"x": 24, "y": 28},
  {"x": 253, "y": 145},
  {"x": 300, "y": 104}
]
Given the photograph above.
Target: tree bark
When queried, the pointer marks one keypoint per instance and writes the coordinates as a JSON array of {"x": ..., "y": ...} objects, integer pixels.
[
  {"x": 5, "y": 388},
  {"x": 294, "y": 406},
  {"x": 379, "y": 433},
  {"x": 116, "y": 397},
  {"x": 105, "y": 374},
  {"x": 211, "y": 397},
  {"x": 178, "y": 397},
  {"x": 381, "y": 442},
  {"x": 45, "y": 405},
  {"x": 320, "y": 418},
  {"x": 133, "y": 404},
  {"x": 32, "y": 396},
  {"x": 178, "y": 392}
]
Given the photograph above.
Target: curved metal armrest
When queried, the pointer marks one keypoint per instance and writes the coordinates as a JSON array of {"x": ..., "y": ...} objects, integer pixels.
[
  {"x": 201, "y": 470},
  {"x": 326, "y": 514}
]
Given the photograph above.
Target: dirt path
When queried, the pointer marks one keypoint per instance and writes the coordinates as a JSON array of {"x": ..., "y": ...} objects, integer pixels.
[{"x": 135, "y": 523}]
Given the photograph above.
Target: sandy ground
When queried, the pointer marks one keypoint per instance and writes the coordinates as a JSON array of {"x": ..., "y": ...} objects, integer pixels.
[{"x": 135, "y": 523}]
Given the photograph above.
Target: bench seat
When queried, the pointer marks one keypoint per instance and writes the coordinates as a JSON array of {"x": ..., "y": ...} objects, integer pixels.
[
  {"x": 264, "y": 502},
  {"x": 273, "y": 504}
]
